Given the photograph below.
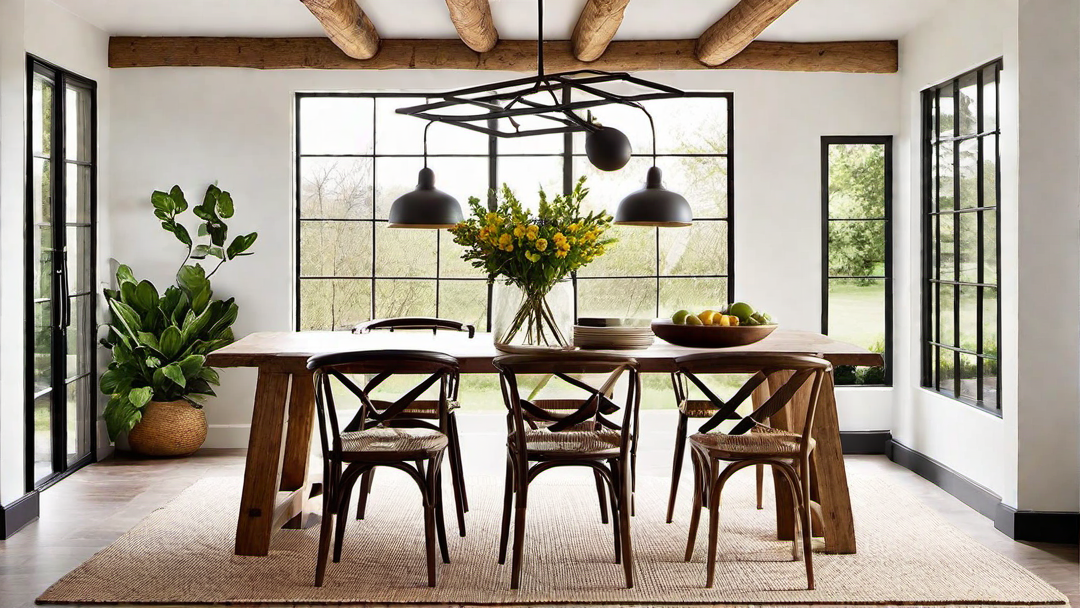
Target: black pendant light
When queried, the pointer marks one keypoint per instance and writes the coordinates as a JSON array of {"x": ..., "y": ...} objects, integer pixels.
[
  {"x": 654, "y": 205},
  {"x": 425, "y": 207},
  {"x": 608, "y": 148}
]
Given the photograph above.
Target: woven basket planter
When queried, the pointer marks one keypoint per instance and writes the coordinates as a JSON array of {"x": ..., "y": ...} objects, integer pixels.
[{"x": 172, "y": 428}]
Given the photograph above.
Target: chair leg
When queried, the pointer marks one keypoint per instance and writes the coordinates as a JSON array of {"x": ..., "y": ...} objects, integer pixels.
[
  {"x": 616, "y": 509},
  {"x": 365, "y": 489},
  {"x": 717, "y": 486},
  {"x": 460, "y": 465},
  {"x": 676, "y": 465},
  {"x": 601, "y": 493},
  {"x": 325, "y": 532},
  {"x": 519, "y": 534},
  {"x": 807, "y": 525},
  {"x": 695, "y": 513},
  {"x": 457, "y": 481},
  {"x": 508, "y": 507},
  {"x": 625, "y": 499},
  {"x": 429, "y": 539},
  {"x": 760, "y": 472},
  {"x": 440, "y": 522}
]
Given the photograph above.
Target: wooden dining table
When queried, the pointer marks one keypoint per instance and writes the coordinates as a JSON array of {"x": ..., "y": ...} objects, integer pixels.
[{"x": 276, "y": 480}]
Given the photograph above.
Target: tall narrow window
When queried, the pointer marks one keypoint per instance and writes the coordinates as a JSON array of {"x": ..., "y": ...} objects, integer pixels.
[
  {"x": 961, "y": 196},
  {"x": 856, "y": 200},
  {"x": 61, "y": 328}
]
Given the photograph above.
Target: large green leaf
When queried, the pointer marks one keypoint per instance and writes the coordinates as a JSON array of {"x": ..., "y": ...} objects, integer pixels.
[
  {"x": 163, "y": 204},
  {"x": 241, "y": 244},
  {"x": 182, "y": 234},
  {"x": 173, "y": 372},
  {"x": 120, "y": 416},
  {"x": 144, "y": 297},
  {"x": 218, "y": 232},
  {"x": 171, "y": 341},
  {"x": 127, "y": 317},
  {"x": 192, "y": 279},
  {"x": 149, "y": 340},
  {"x": 191, "y": 365},
  {"x": 200, "y": 300},
  {"x": 139, "y": 397},
  {"x": 225, "y": 205},
  {"x": 177, "y": 196}
]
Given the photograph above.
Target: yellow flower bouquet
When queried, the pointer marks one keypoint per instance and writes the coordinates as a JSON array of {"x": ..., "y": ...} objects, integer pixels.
[{"x": 533, "y": 253}]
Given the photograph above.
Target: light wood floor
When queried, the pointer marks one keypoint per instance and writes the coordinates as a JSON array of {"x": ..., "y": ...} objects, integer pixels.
[{"x": 88, "y": 510}]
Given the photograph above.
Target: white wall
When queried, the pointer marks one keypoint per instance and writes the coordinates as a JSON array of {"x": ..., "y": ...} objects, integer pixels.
[
  {"x": 193, "y": 126},
  {"x": 49, "y": 32},
  {"x": 1029, "y": 455}
]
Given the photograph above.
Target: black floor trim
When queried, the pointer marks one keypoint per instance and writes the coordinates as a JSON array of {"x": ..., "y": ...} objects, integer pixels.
[
  {"x": 1030, "y": 526},
  {"x": 865, "y": 442},
  {"x": 19, "y": 513}
]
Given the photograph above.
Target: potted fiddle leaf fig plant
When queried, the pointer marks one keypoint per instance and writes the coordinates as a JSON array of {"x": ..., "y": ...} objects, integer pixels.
[{"x": 158, "y": 375}]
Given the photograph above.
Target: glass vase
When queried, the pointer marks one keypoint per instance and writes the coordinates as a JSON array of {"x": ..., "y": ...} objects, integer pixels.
[{"x": 528, "y": 320}]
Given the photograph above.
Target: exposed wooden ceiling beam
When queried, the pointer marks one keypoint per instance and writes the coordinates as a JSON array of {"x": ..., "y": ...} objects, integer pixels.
[
  {"x": 347, "y": 26},
  {"x": 738, "y": 28},
  {"x": 513, "y": 55},
  {"x": 596, "y": 26},
  {"x": 472, "y": 18}
]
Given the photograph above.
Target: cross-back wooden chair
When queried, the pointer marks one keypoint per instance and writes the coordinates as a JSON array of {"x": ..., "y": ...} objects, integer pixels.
[
  {"x": 690, "y": 408},
  {"x": 372, "y": 439},
  {"x": 422, "y": 412},
  {"x": 751, "y": 441},
  {"x": 593, "y": 434}
]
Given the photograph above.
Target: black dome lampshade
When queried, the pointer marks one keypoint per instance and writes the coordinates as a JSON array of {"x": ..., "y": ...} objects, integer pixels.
[
  {"x": 608, "y": 148},
  {"x": 425, "y": 207},
  {"x": 654, "y": 205}
]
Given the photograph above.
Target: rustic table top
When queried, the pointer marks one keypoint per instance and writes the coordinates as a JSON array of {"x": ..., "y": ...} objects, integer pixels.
[{"x": 289, "y": 350}]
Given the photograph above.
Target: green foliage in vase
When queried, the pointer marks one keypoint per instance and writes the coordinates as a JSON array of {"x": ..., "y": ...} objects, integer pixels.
[{"x": 159, "y": 341}]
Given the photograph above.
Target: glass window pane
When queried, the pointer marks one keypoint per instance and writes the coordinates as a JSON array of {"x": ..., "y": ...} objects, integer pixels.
[
  {"x": 334, "y": 303},
  {"x": 41, "y": 123},
  {"x": 990, "y": 190},
  {"x": 77, "y": 195},
  {"x": 701, "y": 180},
  {"x": 946, "y": 370},
  {"x": 404, "y": 298},
  {"x": 634, "y": 298},
  {"x": 946, "y": 244},
  {"x": 459, "y": 177},
  {"x": 969, "y": 383},
  {"x": 989, "y": 98},
  {"x": 701, "y": 250},
  {"x": 990, "y": 322},
  {"x": 404, "y": 252},
  {"x": 857, "y": 248},
  {"x": 946, "y": 195},
  {"x": 79, "y": 262},
  {"x": 336, "y": 125},
  {"x": 692, "y": 294},
  {"x": 80, "y": 335},
  {"x": 969, "y": 176},
  {"x": 450, "y": 262},
  {"x": 969, "y": 318},
  {"x": 42, "y": 437},
  {"x": 335, "y": 249},
  {"x": 78, "y": 419},
  {"x": 77, "y": 126},
  {"x": 968, "y": 104},
  {"x": 857, "y": 312},
  {"x": 527, "y": 174},
  {"x": 969, "y": 247},
  {"x": 608, "y": 188},
  {"x": 336, "y": 188},
  {"x": 946, "y": 111},
  {"x": 856, "y": 181},
  {"x": 634, "y": 254},
  {"x": 464, "y": 301},
  {"x": 946, "y": 315},
  {"x": 42, "y": 263},
  {"x": 403, "y": 134},
  {"x": 42, "y": 188},
  {"x": 43, "y": 337},
  {"x": 689, "y": 125},
  {"x": 990, "y": 384}
]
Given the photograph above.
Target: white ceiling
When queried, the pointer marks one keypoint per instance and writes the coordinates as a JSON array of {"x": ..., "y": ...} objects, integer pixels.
[{"x": 809, "y": 20}]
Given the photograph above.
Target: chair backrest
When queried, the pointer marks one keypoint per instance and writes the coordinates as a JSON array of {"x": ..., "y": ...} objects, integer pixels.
[
  {"x": 332, "y": 368},
  {"x": 432, "y": 323},
  {"x": 799, "y": 369},
  {"x": 598, "y": 409}
]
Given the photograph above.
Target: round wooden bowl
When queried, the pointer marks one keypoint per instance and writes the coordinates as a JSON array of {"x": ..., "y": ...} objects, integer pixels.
[{"x": 710, "y": 336}]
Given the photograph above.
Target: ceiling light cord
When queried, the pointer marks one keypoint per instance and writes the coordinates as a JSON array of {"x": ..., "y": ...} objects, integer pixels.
[{"x": 430, "y": 122}]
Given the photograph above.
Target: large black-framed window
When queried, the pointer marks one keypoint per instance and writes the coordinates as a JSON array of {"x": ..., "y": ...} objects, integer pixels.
[
  {"x": 856, "y": 290},
  {"x": 61, "y": 174},
  {"x": 355, "y": 155},
  {"x": 961, "y": 228}
]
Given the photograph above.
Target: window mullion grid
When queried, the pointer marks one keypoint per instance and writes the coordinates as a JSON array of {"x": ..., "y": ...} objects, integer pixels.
[
  {"x": 936, "y": 203},
  {"x": 980, "y": 255},
  {"x": 956, "y": 236},
  {"x": 374, "y": 205}
]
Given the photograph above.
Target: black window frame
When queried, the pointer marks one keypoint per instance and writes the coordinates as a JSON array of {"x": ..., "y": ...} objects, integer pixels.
[
  {"x": 887, "y": 278},
  {"x": 568, "y": 154},
  {"x": 931, "y": 279},
  {"x": 58, "y": 159}
]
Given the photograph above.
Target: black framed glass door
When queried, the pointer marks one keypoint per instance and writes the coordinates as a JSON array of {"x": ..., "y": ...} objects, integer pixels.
[{"x": 60, "y": 250}]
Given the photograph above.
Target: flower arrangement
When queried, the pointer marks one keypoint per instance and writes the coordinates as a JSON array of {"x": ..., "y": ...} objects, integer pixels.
[{"x": 533, "y": 252}]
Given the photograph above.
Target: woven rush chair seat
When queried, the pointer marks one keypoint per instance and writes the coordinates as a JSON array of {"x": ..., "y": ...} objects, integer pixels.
[
  {"x": 427, "y": 410},
  {"x": 761, "y": 442},
  {"x": 397, "y": 440},
  {"x": 697, "y": 408},
  {"x": 576, "y": 443}
]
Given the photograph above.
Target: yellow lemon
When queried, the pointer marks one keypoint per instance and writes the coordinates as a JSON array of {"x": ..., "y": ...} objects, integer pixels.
[
  {"x": 723, "y": 320},
  {"x": 706, "y": 317},
  {"x": 733, "y": 320}
]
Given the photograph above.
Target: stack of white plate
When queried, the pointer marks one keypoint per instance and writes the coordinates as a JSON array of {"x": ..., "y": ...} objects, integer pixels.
[{"x": 617, "y": 337}]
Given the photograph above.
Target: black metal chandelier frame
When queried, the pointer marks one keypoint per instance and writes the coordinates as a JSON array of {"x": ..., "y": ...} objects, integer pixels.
[{"x": 510, "y": 99}]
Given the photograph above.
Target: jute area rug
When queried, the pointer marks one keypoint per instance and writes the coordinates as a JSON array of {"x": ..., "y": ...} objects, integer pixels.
[{"x": 182, "y": 553}]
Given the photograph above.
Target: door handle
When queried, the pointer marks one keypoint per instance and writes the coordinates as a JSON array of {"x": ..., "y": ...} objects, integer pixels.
[{"x": 65, "y": 292}]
